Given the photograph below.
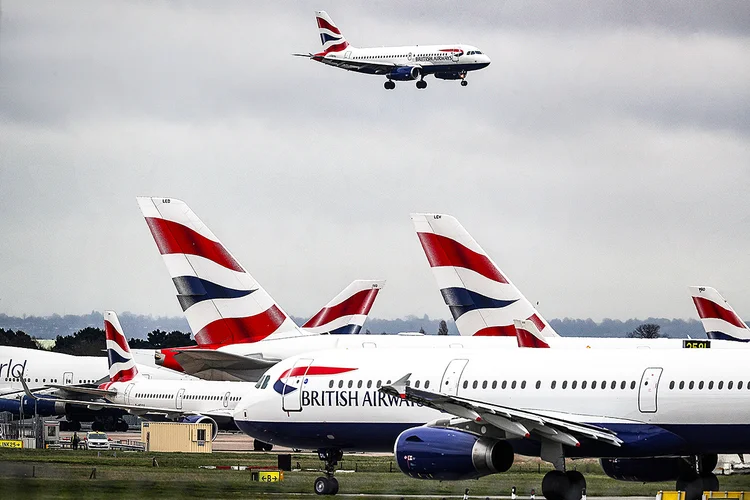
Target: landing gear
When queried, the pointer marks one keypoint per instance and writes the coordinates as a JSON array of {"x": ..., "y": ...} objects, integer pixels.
[
  {"x": 121, "y": 426},
  {"x": 67, "y": 425},
  {"x": 559, "y": 485},
  {"x": 328, "y": 485},
  {"x": 261, "y": 446},
  {"x": 464, "y": 83},
  {"x": 421, "y": 84},
  {"x": 698, "y": 477},
  {"x": 389, "y": 85}
]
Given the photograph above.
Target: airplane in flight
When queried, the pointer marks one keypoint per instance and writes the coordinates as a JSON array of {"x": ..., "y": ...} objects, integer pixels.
[
  {"x": 445, "y": 62},
  {"x": 717, "y": 316},
  {"x": 193, "y": 254},
  {"x": 482, "y": 299},
  {"x": 195, "y": 401},
  {"x": 649, "y": 415}
]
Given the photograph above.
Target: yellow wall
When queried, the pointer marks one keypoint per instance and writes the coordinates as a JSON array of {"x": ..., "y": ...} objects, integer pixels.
[{"x": 176, "y": 437}]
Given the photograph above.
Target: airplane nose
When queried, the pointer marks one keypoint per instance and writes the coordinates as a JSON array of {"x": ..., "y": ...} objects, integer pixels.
[{"x": 486, "y": 59}]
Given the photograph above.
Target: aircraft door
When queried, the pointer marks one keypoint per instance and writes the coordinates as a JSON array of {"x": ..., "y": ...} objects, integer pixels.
[
  {"x": 178, "y": 400},
  {"x": 452, "y": 375},
  {"x": 226, "y": 400},
  {"x": 293, "y": 381},
  {"x": 126, "y": 398},
  {"x": 648, "y": 390},
  {"x": 67, "y": 378},
  {"x": 369, "y": 345}
]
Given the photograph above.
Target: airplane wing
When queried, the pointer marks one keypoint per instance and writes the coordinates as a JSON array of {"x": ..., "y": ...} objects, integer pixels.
[
  {"x": 368, "y": 67},
  {"x": 219, "y": 365},
  {"x": 515, "y": 422},
  {"x": 74, "y": 389},
  {"x": 170, "y": 413}
]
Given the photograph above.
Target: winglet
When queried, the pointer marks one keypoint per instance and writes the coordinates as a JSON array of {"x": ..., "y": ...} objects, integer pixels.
[
  {"x": 398, "y": 387},
  {"x": 528, "y": 334},
  {"x": 717, "y": 316}
]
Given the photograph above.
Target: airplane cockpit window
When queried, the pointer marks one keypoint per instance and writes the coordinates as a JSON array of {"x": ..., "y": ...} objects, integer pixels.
[
  {"x": 477, "y": 52},
  {"x": 265, "y": 382}
]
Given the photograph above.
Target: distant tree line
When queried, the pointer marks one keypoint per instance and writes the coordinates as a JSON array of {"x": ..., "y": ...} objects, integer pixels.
[{"x": 90, "y": 341}]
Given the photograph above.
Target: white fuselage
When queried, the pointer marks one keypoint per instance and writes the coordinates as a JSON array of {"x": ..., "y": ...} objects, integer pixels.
[
  {"x": 431, "y": 58},
  {"x": 286, "y": 347},
  {"x": 40, "y": 368},
  {"x": 633, "y": 392}
]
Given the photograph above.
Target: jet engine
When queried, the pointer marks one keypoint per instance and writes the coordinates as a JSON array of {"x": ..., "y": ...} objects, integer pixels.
[
  {"x": 202, "y": 419},
  {"x": 405, "y": 73},
  {"x": 449, "y": 454}
]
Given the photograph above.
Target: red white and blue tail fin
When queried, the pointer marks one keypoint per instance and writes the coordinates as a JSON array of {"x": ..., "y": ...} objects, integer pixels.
[
  {"x": 222, "y": 302},
  {"x": 347, "y": 311},
  {"x": 482, "y": 300},
  {"x": 121, "y": 363},
  {"x": 718, "y": 318},
  {"x": 528, "y": 334},
  {"x": 330, "y": 35}
]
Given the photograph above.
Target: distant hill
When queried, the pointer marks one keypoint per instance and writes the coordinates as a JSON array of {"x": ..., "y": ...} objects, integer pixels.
[{"x": 138, "y": 325}]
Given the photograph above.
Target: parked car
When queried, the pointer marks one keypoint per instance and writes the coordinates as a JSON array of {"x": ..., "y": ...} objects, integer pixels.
[{"x": 97, "y": 441}]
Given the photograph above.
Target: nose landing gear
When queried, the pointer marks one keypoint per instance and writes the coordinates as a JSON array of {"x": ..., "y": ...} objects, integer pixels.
[
  {"x": 328, "y": 485},
  {"x": 464, "y": 83}
]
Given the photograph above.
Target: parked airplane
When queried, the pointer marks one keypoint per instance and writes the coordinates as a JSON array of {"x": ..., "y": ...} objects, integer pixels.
[
  {"x": 483, "y": 301},
  {"x": 39, "y": 369},
  {"x": 194, "y": 255},
  {"x": 650, "y": 415},
  {"x": 190, "y": 401},
  {"x": 718, "y": 318},
  {"x": 446, "y": 62}
]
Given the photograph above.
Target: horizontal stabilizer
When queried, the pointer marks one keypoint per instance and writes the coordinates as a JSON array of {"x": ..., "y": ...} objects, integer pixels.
[
  {"x": 209, "y": 364},
  {"x": 90, "y": 391}
]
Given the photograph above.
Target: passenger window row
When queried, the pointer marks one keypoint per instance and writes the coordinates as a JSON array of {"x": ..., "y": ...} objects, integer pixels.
[
  {"x": 51, "y": 381},
  {"x": 369, "y": 384},
  {"x": 700, "y": 385},
  {"x": 505, "y": 384},
  {"x": 193, "y": 397}
]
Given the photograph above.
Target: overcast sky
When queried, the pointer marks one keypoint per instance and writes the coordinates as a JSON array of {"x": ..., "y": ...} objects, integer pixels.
[{"x": 602, "y": 159}]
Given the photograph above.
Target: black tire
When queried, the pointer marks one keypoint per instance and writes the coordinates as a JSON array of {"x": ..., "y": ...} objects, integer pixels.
[
  {"x": 708, "y": 464},
  {"x": 710, "y": 482},
  {"x": 258, "y": 445},
  {"x": 694, "y": 489},
  {"x": 577, "y": 485},
  {"x": 321, "y": 486},
  {"x": 555, "y": 484},
  {"x": 267, "y": 447},
  {"x": 334, "y": 483},
  {"x": 122, "y": 426},
  {"x": 464, "y": 83},
  {"x": 97, "y": 426}
]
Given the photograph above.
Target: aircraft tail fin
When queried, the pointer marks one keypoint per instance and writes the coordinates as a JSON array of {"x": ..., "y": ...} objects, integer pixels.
[
  {"x": 347, "y": 311},
  {"x": 482, "y": 300},
  {"x": 222, "y": 302},
  {"x": 718, "y": 318},
  {"x": 528, "y": 334},
  {"x": 122, "y": 366},
  {"x": 330, "y": 34}
]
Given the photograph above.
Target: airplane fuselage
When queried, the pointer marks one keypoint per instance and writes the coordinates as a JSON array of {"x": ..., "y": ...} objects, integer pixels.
[{"x": 659, "y": 402}]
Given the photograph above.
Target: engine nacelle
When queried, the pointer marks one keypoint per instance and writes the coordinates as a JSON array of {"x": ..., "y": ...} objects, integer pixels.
[
  {"x": 644, "y": 470},
  {"x": 202, "y": 419},
  {"x": 405, "y": 73},
  {"x": 448, "y": 75},
  {"x": 449, "y": 454}
]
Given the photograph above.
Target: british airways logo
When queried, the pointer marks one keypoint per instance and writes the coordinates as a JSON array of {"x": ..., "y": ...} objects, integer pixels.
[{"x": 294, "y": 378}]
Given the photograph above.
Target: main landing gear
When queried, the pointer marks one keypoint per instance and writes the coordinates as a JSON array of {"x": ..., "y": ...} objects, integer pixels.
[
  {"x": 464, "y": 83},
  {"x": 698, "y": 477},
  {"x": 421, "y": 84},
  {"x": 559, "y": 484},
  {"x": 389, "y": 85},
  {"x": 328, "y": 485},
  {"x": 261, "y": 446}
]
